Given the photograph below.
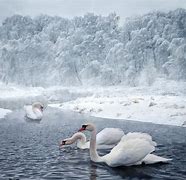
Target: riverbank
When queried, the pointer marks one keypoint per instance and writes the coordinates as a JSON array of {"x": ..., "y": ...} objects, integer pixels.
[
  {"x": 162, "y": 103},
  {"x": 114, "y": 104}
]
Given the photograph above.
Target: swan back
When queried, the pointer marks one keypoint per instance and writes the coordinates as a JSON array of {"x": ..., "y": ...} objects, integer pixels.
[{"x": 133, "y": 135}]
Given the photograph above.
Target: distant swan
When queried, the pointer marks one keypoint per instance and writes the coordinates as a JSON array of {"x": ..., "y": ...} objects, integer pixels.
[
  {"x": 107, "y": 138},
  {"x": 131, "y": 150},
  {"x": 34, "y": 112}
]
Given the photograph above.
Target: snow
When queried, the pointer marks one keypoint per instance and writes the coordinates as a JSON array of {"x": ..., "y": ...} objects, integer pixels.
[
  {"x": 14, "y": 91},
  {"x": 147, "y": 53},
  {"x": 153, "y": 104},
  {"x": 4, "y": 112},
  {"x": 14, "y": 97},
  {"x": 130, "y": 104}
]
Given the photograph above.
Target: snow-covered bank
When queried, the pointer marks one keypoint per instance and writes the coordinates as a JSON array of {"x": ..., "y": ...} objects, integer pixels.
[
  {"x": 162, "y": 103},
  {"x": 4, "y": 112},
  {"x": 131, "y": 104}
]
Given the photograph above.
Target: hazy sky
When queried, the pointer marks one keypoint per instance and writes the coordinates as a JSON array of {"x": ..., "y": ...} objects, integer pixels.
[{"x": 70, "y": 8}]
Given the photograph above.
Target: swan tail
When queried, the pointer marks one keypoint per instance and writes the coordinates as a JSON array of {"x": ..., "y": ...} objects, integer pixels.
[{"x": 152, "y": 159}]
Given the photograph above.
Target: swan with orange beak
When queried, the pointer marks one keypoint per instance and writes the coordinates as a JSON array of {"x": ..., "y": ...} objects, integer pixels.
[{"x": 133, "y": 149}]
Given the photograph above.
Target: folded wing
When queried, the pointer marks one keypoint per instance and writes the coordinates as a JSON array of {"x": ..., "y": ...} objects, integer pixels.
[{"x": 129, "y": 152}]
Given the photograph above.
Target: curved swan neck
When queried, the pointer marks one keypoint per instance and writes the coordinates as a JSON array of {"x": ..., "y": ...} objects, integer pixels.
[
  {"x": 35, "y": 109},
  {"x": 80, "y": 138},
  {"x": 93, "y": 150}
]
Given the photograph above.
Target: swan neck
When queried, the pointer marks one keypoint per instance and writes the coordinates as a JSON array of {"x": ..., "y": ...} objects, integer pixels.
[
  {"x": 93, "y": 150},
  {"x": 81, "y": 140},
  {"x": 35, "y": 110}
]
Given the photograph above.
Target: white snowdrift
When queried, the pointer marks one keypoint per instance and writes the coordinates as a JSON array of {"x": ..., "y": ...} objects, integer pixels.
[
  {"x": 4, "y": 112},
  {"x": 130, "y": 104}
]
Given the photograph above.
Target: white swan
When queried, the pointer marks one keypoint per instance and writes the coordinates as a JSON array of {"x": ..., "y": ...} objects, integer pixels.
[
  {"x": 131, "y": 150},
  {"x": 107, "y": 138},
  {"x": 34, "y": 112}
]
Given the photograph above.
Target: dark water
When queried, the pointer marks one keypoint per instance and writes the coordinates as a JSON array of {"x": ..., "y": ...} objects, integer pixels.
[{"x": 31, "y": 151}]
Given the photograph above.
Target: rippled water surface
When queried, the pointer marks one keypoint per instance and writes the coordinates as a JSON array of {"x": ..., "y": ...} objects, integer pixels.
[{"x": 31, "y": 150}]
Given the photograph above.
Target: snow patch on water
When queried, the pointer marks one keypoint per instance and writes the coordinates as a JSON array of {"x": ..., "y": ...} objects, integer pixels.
[{"x": 4, "y": 112}]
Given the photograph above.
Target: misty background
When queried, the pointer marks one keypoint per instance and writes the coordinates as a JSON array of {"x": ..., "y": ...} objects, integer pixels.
[{"x": 71, "y": 8}]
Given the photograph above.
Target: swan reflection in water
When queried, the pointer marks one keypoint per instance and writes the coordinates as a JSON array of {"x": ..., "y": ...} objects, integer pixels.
[
  {"x": 122, "y": 172},
  {"x": 93, "y": 171}
]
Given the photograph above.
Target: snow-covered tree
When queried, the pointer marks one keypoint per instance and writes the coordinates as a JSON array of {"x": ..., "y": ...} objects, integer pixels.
[{"x": 93, "y": 49}]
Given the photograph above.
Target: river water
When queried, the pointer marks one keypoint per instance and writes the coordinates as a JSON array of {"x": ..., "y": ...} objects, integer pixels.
[{"x": 31, "y": 150}]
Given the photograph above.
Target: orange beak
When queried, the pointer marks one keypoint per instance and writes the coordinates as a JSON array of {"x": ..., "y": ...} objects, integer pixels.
[{"x": 81, "y": 129}]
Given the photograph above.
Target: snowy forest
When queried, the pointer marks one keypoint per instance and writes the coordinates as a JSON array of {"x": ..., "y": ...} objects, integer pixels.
[{"x": 93, "y": 49}]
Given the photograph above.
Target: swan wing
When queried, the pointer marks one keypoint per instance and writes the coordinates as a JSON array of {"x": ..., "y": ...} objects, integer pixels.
[
  {"x": 109, "y": 136},
  {"x": 128, "y": 152},
  {"x": 133, "y": 135}
]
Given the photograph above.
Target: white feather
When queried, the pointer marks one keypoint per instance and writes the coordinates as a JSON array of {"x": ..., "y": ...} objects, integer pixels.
[
  {"x": 133, "y": 135},
  {"x": 128, "y": 152}
]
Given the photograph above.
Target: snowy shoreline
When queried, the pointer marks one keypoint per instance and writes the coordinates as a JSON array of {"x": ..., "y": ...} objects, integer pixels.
[
  {"x": 153, "y": 104},
  {"x": 121, "y": 104}
]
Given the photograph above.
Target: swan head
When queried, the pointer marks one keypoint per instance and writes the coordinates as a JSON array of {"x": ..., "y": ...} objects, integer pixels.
[
  {"x": 38, "y": 105},
  {"x": 87, "y": 127},
  {"x": 66, "y": 142}
]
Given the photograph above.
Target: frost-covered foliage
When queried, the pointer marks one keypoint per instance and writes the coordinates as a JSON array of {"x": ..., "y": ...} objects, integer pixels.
[{"x": 93, "y": 49}]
